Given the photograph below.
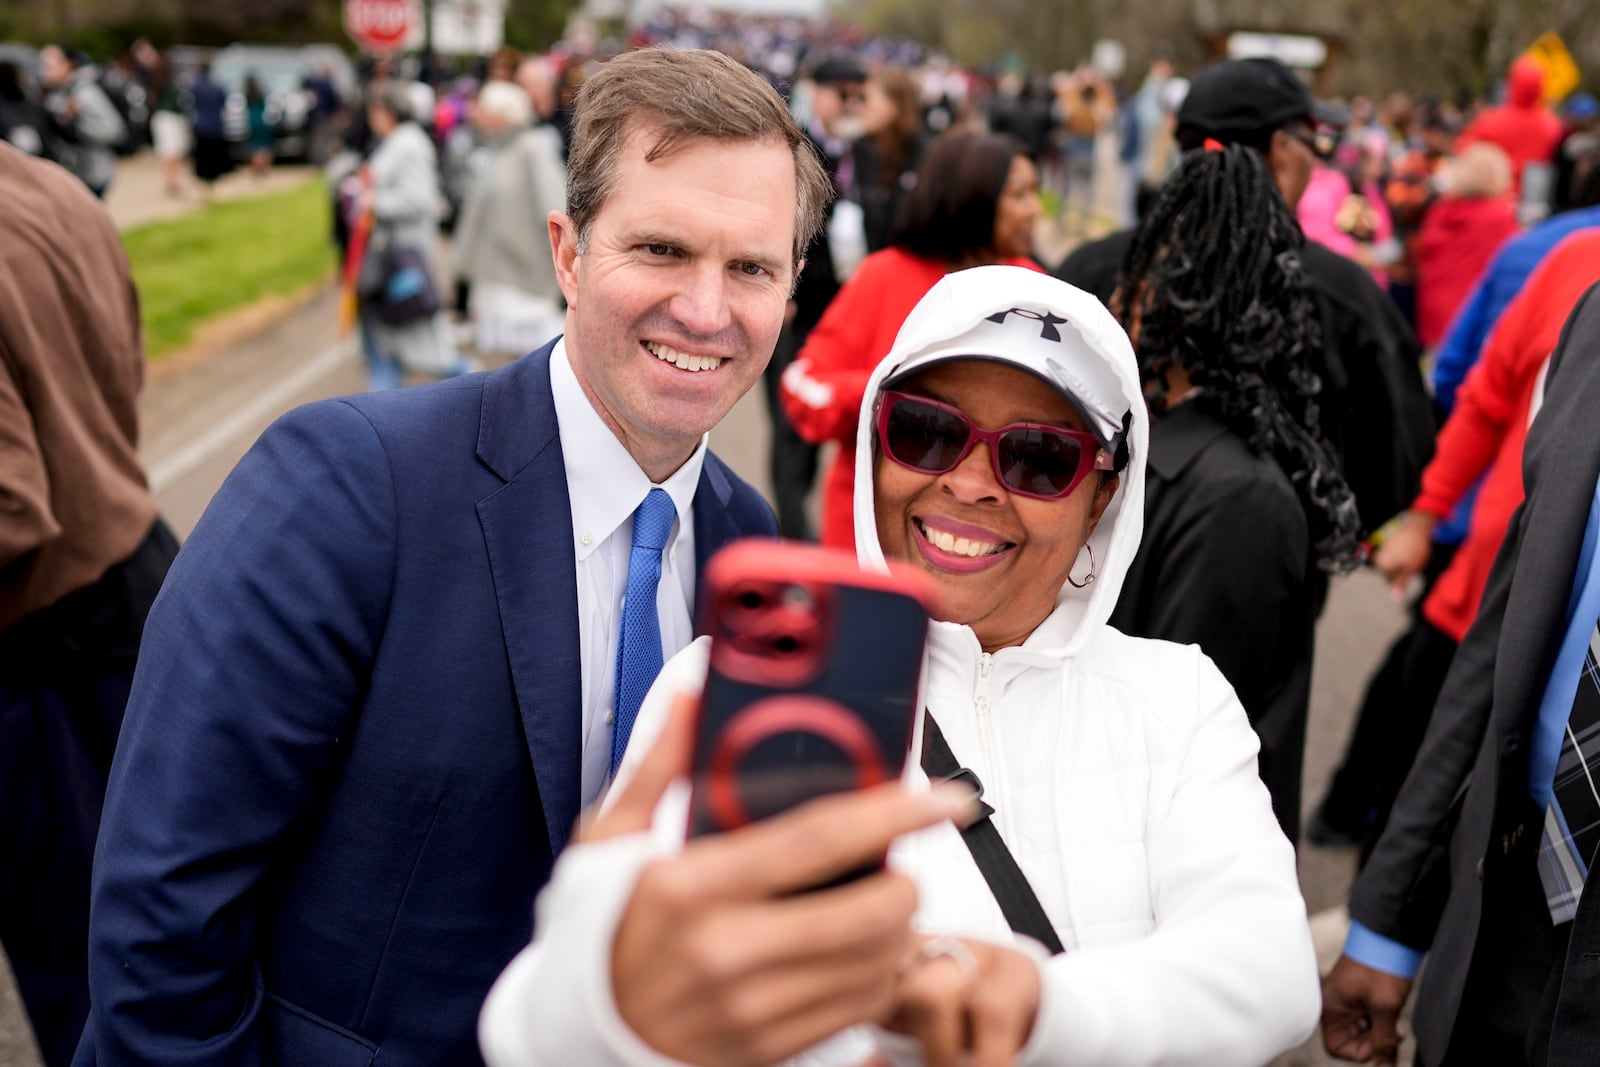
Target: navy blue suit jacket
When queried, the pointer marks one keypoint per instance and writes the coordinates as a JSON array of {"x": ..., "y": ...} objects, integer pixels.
[{"x": 352, "y": 749}]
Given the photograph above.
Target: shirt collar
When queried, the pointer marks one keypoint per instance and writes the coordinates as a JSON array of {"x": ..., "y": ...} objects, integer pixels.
[
  {"x": 1179, "y": 436},
  {"x": 604, "y": 483}
]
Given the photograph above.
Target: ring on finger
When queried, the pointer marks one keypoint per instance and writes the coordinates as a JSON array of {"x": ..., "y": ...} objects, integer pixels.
[{"x": 954, "y": 949}]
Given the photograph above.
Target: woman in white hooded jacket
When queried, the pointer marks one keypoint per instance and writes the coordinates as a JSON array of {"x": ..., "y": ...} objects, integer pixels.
[{"x": 1121, "y": 771}]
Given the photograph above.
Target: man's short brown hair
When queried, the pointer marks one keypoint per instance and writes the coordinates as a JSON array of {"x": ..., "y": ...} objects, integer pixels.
[{"x": 679, "y": 96}]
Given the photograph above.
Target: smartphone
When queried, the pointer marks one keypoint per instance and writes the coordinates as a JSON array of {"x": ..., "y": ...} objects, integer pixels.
[{"x": 813, "y": 677}]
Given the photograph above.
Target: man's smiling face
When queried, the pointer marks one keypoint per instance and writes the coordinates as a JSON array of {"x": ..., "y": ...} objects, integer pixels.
[{"x": 675, "y": 302}]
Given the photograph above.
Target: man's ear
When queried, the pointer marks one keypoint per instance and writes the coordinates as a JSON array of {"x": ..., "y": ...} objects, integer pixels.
[
  {"x": 1276, "y": 147},
  {"x": 795, "y": 284},
  {"x": 1280, "y": 162},
  {"x": 564, "y": 248}
]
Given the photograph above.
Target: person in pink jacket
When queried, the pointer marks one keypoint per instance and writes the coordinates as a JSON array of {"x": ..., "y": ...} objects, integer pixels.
[{"x": 1344, "y": 208}]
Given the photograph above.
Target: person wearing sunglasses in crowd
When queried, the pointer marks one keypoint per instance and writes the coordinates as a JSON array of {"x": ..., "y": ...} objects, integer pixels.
[
  {"x": 1247, "y": 502},
  {"x": 1001, "y": 451},
  {"x": 975, "y": 202}
]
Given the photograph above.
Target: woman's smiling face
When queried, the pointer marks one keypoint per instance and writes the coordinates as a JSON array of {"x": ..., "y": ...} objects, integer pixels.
[{"x": 998, "y": 558}]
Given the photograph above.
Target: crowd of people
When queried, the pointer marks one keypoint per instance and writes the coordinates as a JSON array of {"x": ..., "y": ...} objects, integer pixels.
[
  {"x": 419, "y": 632},
  {"x": 86, "y": 115},
  {"x": 65, "y": 114}
]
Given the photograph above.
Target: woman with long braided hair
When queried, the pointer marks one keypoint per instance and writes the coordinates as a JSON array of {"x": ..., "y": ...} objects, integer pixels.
[{"x": 1246, "y": 501}]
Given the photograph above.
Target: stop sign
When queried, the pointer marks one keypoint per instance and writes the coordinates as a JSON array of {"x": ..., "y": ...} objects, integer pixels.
[{"x": 380, "y": 27}]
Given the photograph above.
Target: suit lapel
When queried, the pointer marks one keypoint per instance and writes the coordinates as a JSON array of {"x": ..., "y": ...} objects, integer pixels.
[
  {"x": 527, "y": 528},
  {"x": 1549, "y": 527},
  {"x": 713, "y": 525}
]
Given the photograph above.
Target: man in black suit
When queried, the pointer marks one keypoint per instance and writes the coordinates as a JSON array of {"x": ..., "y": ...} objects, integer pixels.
[
  {"x": 1483, "y": 861},
  {"x": 1375, "y": 409}
]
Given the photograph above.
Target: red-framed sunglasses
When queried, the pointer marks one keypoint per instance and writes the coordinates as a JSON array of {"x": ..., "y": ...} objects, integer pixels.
[{"x": 1030, "y": 458}]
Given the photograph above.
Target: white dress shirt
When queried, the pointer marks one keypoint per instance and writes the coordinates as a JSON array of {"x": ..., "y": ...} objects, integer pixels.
[{"x": 605, "y": 486}]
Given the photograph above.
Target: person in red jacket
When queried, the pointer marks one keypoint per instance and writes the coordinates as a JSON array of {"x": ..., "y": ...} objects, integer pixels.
[
  {"x": 976, "y": 202},
  {"x": 1460, "y": 234},
  {"x": 1523, "y": 127}
]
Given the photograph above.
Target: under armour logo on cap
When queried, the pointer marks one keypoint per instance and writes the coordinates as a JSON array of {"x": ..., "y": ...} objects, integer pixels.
[{"x": 1050, "y": 322}]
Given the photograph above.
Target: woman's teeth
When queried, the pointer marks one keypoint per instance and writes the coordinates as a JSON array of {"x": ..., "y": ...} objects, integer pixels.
[
  {"x": 682, "y": 360},
  {"x": 959, "y": 546}
]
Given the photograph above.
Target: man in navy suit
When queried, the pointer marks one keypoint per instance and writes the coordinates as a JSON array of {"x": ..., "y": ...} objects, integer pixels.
[{"x": 383, "y": 676}]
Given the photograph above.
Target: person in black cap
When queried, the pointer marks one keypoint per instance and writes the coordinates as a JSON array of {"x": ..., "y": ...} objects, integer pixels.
[
  {"x": 1264, "y": 105},
  {"x": 1375, "y": 409},
  {"x": 839, "y": 90}
]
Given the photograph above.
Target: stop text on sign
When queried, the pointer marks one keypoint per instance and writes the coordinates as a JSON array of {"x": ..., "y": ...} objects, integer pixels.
[{"x": 379, "y": 25}]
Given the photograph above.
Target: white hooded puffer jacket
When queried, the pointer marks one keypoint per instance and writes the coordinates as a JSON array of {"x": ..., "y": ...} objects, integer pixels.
[{"x": 1122, "y": 772}]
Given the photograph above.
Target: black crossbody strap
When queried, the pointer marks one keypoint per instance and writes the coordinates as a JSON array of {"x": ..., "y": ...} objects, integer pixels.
[{"x": 1009, "y": 885}]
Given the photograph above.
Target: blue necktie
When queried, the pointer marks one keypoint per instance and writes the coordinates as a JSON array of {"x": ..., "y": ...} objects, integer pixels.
[
  {"x": 1572, "y": 819},
  {"x": 639, "y": 644}
]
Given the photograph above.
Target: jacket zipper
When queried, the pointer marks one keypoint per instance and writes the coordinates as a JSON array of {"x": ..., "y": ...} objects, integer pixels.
[
  {"x": 980, "y": 700},
  {"x": 993, "y": 770}
]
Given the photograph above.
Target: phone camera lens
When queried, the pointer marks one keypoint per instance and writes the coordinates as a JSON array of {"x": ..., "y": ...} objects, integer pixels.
[
  {"x": 751, "y": 599},
  {"x": 786, "y": 645}
]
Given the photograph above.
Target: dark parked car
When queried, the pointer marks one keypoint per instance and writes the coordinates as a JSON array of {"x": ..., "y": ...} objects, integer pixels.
[
  {"x": 23, "y": 55},
  {"x": 23, "y": 120}
]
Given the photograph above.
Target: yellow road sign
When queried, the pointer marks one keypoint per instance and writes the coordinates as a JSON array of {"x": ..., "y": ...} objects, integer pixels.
[{"x": 1561, "y": 75}]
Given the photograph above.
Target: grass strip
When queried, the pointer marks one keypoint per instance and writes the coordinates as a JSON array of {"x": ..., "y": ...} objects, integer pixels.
[{"x": 225, "y": 257}]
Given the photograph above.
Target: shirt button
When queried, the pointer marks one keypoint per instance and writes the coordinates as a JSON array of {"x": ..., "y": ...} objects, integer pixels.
[
  {"x": 610, "y": 717},
  {"x": 587, "y": 538},
  {"x": 672, "y": 556}
]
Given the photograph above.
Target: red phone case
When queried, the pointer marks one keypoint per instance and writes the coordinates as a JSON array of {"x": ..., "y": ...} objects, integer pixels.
[{"x": 813, "y": 679}]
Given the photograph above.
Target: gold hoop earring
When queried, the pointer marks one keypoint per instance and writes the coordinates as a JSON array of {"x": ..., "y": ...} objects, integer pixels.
[{"x": 1090, "y": 577}]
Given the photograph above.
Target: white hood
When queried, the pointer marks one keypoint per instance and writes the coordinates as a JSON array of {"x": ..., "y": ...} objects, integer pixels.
[{"x": 1066, "y": 336}]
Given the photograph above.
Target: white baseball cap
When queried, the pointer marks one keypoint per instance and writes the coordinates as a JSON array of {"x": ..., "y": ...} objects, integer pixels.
[{"x": 1029, "y": 320}]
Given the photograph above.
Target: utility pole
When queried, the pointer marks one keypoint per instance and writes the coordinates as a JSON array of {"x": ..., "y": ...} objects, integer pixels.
[{"x": 429, "y": 61}]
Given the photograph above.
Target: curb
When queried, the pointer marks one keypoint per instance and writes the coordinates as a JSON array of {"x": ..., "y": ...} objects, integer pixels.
[{"x": 217, "y": 334}]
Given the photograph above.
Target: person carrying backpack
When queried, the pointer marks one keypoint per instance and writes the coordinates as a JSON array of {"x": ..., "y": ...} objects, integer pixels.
[{"x": 84, "y": 124}]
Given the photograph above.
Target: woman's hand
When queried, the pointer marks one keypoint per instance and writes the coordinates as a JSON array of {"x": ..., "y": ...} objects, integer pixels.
[
  {"x": 962, "y": 996},
  {"x": 719, "y": 958}
]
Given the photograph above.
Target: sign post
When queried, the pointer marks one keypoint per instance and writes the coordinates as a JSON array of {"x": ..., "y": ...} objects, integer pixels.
[{"x": 467, "y": 27}]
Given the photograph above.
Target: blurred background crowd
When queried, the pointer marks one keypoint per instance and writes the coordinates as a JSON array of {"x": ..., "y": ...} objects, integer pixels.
[{"x": 1398, "y": 189}]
